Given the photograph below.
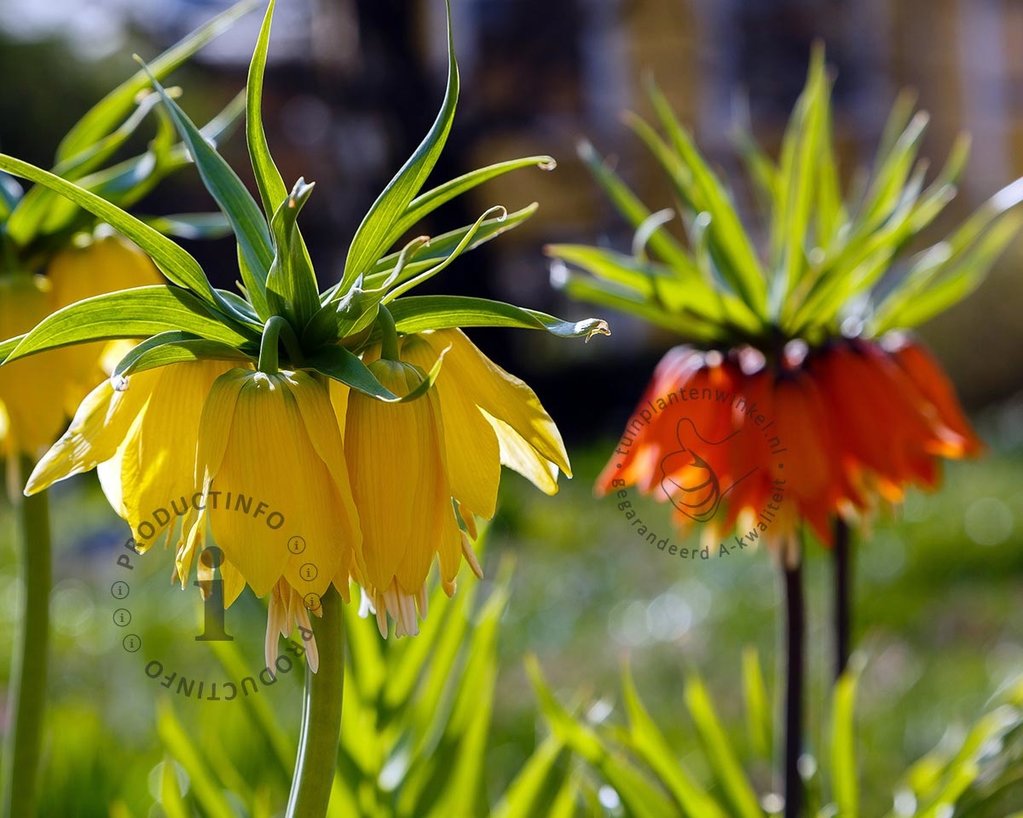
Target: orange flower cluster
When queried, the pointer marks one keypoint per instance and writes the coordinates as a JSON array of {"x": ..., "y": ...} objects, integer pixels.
[{"x": 737, "y": 442}]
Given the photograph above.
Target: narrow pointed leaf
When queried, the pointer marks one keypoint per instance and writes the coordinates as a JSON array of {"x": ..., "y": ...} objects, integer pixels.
[
  {"x": 268, "y": 179},
  {"x": 237, "y": 204},
  {"x": 371, "y": 239},
  {"x": 134, "y": 313},
  {"x": 104, "y": 116},
  {"x": 424, "y": 312},
  {"x": 175, "y": 262}
]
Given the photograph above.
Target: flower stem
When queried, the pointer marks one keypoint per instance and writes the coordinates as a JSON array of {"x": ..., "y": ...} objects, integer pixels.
[
  {"x": 795, "y": 639},
  {"x": 842, "y": 558},
  {"x": 27, "y": 692},
  {"x": 277, "y": 329},
  {"x": 321, "y": 716},
  {"x": 388, "y": 335}
]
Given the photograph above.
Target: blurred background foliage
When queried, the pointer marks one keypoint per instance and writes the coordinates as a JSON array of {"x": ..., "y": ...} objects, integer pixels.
[{"x": 352, "y": 87}]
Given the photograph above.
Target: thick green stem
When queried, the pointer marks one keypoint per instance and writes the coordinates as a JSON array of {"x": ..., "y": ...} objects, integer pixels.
[
  {"x": 276, "y": 330},
  {"x": 321, "y": 716},
  {"x": 388, "y": 335},
  {"x": 27, "y": 692}
]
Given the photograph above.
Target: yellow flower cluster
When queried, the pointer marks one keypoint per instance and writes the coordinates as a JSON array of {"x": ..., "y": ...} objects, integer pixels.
[{"x": 304, "y": 483}]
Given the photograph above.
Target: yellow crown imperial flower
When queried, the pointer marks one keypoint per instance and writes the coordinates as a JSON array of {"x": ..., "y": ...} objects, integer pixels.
[{"x": 276, "y": 493}]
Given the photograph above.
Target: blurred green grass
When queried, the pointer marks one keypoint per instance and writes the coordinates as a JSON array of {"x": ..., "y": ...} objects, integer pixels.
[{"x": 938, "y": 591}]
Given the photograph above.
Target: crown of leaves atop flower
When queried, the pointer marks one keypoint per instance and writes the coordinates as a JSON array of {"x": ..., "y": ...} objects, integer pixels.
[
  {"x": 37, "y": 222},
  {"x": 190, "y": 319},
  {"x": 830, "y": 264}
]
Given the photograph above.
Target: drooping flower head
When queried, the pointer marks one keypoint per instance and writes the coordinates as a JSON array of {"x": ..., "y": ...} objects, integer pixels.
[
  {"x": 798, "y": 393},
  {"x": 358, "y": 430}
]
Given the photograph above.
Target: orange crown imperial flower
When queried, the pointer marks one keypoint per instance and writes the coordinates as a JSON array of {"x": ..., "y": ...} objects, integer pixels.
[{"x": 807, "y": 325}]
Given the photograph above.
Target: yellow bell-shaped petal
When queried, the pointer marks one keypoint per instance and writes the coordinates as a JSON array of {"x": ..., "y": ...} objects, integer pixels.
[
  {"x": 395, "y": 455},
  {"x": 100, "y": 263},
  {"x": 141, "y": 437},
  {"x": 527, "y": 437},
  {"x": 275, "y": 486},
  {"x": 31, "y": 389},
  {"x": 151, "y": 479}
]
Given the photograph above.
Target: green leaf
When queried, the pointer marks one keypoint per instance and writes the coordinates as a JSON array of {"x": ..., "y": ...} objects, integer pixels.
[
  {"x": 250, "y": 228},
  {"x": 174, "y": 346},
  {"x": 640, "y": 797},
  {"x": 843, "y": 747},
  {"x": 190, "y": 226},
  {"x": 291, "y": 283},
  {"x": 371, "y": 239},
  {"x": 798, "y": 173},
  {"x": 439, "y": 248},
  {"x": 720, "y": 753},
  {"x": 268, "y": 179},
  {"x": 175, "y": 262},
  {"x": 529, "y": 792},
  {"x": 650, "y": 744},
  {"x": 134, "y": 313},
  {"x": 338, "y": 363},
  {"x": 732, "y": 247},
  {"x": 665, "y": 246},
  {"x": 400, "y": 288},
  {"x": 757, "y": 702},
  {"x": 423, "y": 205},
  {"x": 34, "y": 209},
  {"x": 103, "y": 116},
  {"x": 419, "y": 313},
  {"x": 171, "y": 801},
  {"x": 606, "y": 294},
  {"x": 175, "y": 739}
]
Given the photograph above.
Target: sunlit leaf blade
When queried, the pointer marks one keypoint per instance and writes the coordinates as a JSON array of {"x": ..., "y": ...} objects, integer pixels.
[
  {"x": 417, "y": 313},
  {"x": 134, "y": 313},
  {"x": 720, "y": 753},
  {"x": 272, "y": 189},
  {"x": 174, "y": 262},
  {"x": 250, "y": 228},
  {"x": 757, "y": 702},
  {"x": 440, "y": 247},
  {"x": 732, "y": 247},
  {"x": 640, "y": 796},
  {"x": 338, "y": 363},
  {"x": 174, "y": 346},
  {"x": 404, "y": 286},
  {"x": 191, "y": 226},
  {"x": 531, "y": 790},
  {"x": 208, "y": 795},
  {"x": 371, "y": 239},
  {"x": 104, "y": 116},
  {"x": 843, "y": 748},
  {"x": 291, "y": 283},
  {"x": 424, "y": 204},
  {"x": 665, "y": 246},
  {"x": 171, "y": 800},
  {"x": 649, "y": 743}
]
